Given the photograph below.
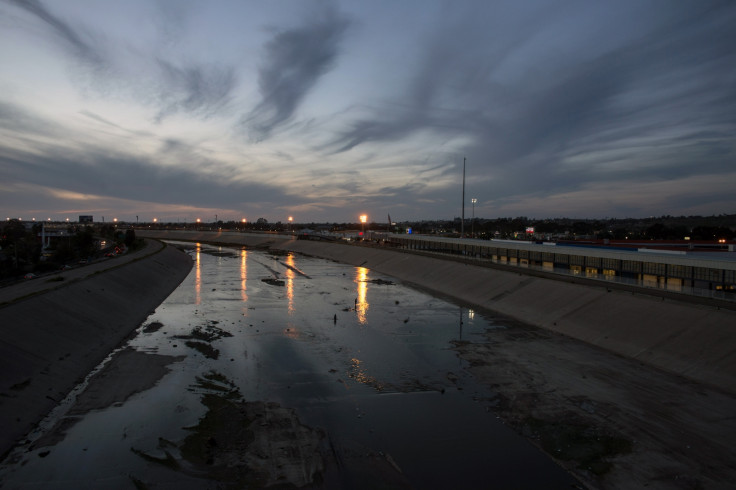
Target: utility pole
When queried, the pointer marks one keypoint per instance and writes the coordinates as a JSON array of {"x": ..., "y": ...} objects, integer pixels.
[{"x": 462, "y": 219}]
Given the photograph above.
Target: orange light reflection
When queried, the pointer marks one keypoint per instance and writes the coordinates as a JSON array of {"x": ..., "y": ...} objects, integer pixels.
[
  {"x": 290, "y": 283},
  {"x": 243, "y": 274},
  {"x": 361, "y": 306},
  {"x": 358, "y": 373},
  {"x": 197, "y": 276}
]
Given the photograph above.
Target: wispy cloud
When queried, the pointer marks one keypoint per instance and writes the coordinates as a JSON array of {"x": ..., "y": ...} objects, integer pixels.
[
  {"x": 83, "y": 45},
  {"x": 294, "y": 60},
  {"x": 198, "y": 90}
]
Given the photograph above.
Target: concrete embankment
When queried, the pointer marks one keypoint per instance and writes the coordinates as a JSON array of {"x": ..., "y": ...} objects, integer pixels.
[
  {"x": 695, "y": 341},
  {"x": 50, "y": 340}
]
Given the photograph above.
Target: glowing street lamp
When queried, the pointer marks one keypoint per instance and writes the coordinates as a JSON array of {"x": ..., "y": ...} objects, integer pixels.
[
  {"x": 363, "y": 219},
  {"x": 472, "y": 222},
  {"x": 291, "y": 218},
  {"x": 155, "y": 220}
]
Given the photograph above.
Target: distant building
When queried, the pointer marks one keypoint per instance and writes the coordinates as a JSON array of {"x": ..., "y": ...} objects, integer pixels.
[{"x": 86, "y": 219}]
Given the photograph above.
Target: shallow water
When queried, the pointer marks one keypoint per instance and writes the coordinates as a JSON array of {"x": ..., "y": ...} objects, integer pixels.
[{"x": 362, "y": 358}]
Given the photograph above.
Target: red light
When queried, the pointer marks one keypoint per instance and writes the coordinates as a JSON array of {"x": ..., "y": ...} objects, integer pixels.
[{"x": 360, "y": 234}]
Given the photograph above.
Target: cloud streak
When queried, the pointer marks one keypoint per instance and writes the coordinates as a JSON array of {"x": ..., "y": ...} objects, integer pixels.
[
  {"x": 86, "y": 50},
  {"x": 294, "y": 60}
]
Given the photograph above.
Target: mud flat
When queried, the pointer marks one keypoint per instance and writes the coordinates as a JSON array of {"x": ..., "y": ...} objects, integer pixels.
[{"x": 50, "y": 340}]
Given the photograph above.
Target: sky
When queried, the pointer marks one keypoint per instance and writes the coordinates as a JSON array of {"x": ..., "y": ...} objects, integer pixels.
[{"x": 326, "y": 110}]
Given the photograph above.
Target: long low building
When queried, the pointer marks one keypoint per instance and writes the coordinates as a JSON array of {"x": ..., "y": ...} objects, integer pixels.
[{"x": 700, "y": 273}]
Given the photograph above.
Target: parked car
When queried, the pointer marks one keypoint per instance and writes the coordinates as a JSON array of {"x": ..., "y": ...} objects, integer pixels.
[{"x": 30, "y": 275}]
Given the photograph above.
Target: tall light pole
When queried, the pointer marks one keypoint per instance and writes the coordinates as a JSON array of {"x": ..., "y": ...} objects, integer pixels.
[
  {"x": 472, "y": 222},
  {"x": 462, "y": 219},
  {"x": 291, "y": 218}
]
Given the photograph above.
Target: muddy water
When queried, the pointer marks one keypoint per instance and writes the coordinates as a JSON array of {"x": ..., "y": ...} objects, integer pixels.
[{"x": 365, "y": 363}]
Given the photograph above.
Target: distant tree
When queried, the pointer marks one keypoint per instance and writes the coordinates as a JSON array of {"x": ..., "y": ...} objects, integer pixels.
[
  {"x": 129, "y": 237},
  {"x": 712, "y": 233},
  {"x": 657, "y": 231}
]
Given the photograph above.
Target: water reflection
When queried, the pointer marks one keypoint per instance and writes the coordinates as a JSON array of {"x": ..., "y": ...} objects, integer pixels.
[
  {"x": 290, "y": 274},
  {"x": 357, "y": 372},
  {"x": 197, "y": 275},
  {"x": 243, "y": 274},
  {"x": 361, "y": 305}
]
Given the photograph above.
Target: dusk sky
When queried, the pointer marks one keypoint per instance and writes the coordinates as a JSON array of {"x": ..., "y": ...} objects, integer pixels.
[{"x": 324, "y": 110}]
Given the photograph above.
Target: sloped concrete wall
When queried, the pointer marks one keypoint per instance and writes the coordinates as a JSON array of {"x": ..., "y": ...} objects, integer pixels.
[{"x": 49, "y": 342}]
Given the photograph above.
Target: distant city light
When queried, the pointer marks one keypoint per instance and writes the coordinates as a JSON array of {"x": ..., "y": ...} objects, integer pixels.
[
  {"x": 363, "y": 218},
  {"x": 115, "y": 220},
  {"x": 199, "y": 220},
  {"x": 155, "y": 219},
  {"x": 242, "y": 220}
]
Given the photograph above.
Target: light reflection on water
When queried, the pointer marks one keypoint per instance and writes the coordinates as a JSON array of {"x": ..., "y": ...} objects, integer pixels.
[
  {"x": 198, "y": 275},
  {"x": 290, "y": 274},
  {"x": 243, "y": 275},
  {"x": 310, "y": 345},
  {"x": 361, "y": 304}
]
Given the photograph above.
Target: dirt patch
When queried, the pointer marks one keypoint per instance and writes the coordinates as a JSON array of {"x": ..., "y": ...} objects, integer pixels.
[
  {"x": 203, "y": 348},
  {"x": 244, "y": 444},
  {"x": 611, "y": 421},
  {"x": 201, "y": 336},
  {"x": 207, "y": 333},
  {"x": 129, "y": 372},
  {"x": 152, "y": 327}
]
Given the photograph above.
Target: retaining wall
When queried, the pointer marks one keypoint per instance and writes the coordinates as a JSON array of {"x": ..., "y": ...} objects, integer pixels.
[{"x": 50, "y": 341}]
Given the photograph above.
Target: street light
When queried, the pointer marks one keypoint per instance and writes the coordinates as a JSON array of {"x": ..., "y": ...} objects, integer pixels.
[
  {"x": 472, "y": 222},
  {"x": 291, "y": 218},
  {"x": 363, "y": 219}
]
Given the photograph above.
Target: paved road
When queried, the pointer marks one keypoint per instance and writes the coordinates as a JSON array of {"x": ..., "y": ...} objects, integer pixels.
[{"x": 46, "y": 282}]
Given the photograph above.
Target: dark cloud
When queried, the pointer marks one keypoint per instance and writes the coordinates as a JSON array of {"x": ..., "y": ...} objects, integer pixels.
[
  {"x": 640, "y": 108},
  {"x": 198, "y": 90},
  {"x": 117, "y": 175},
  {"x": 20, "y": 122},
  {"x": 82, "y": 45},
  {"x": 294, "y": 60}
]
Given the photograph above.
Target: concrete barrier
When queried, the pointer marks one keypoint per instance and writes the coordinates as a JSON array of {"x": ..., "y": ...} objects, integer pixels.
[
  {"x": 51, "y": 340},
  {"x": 695, "y": 341}
]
